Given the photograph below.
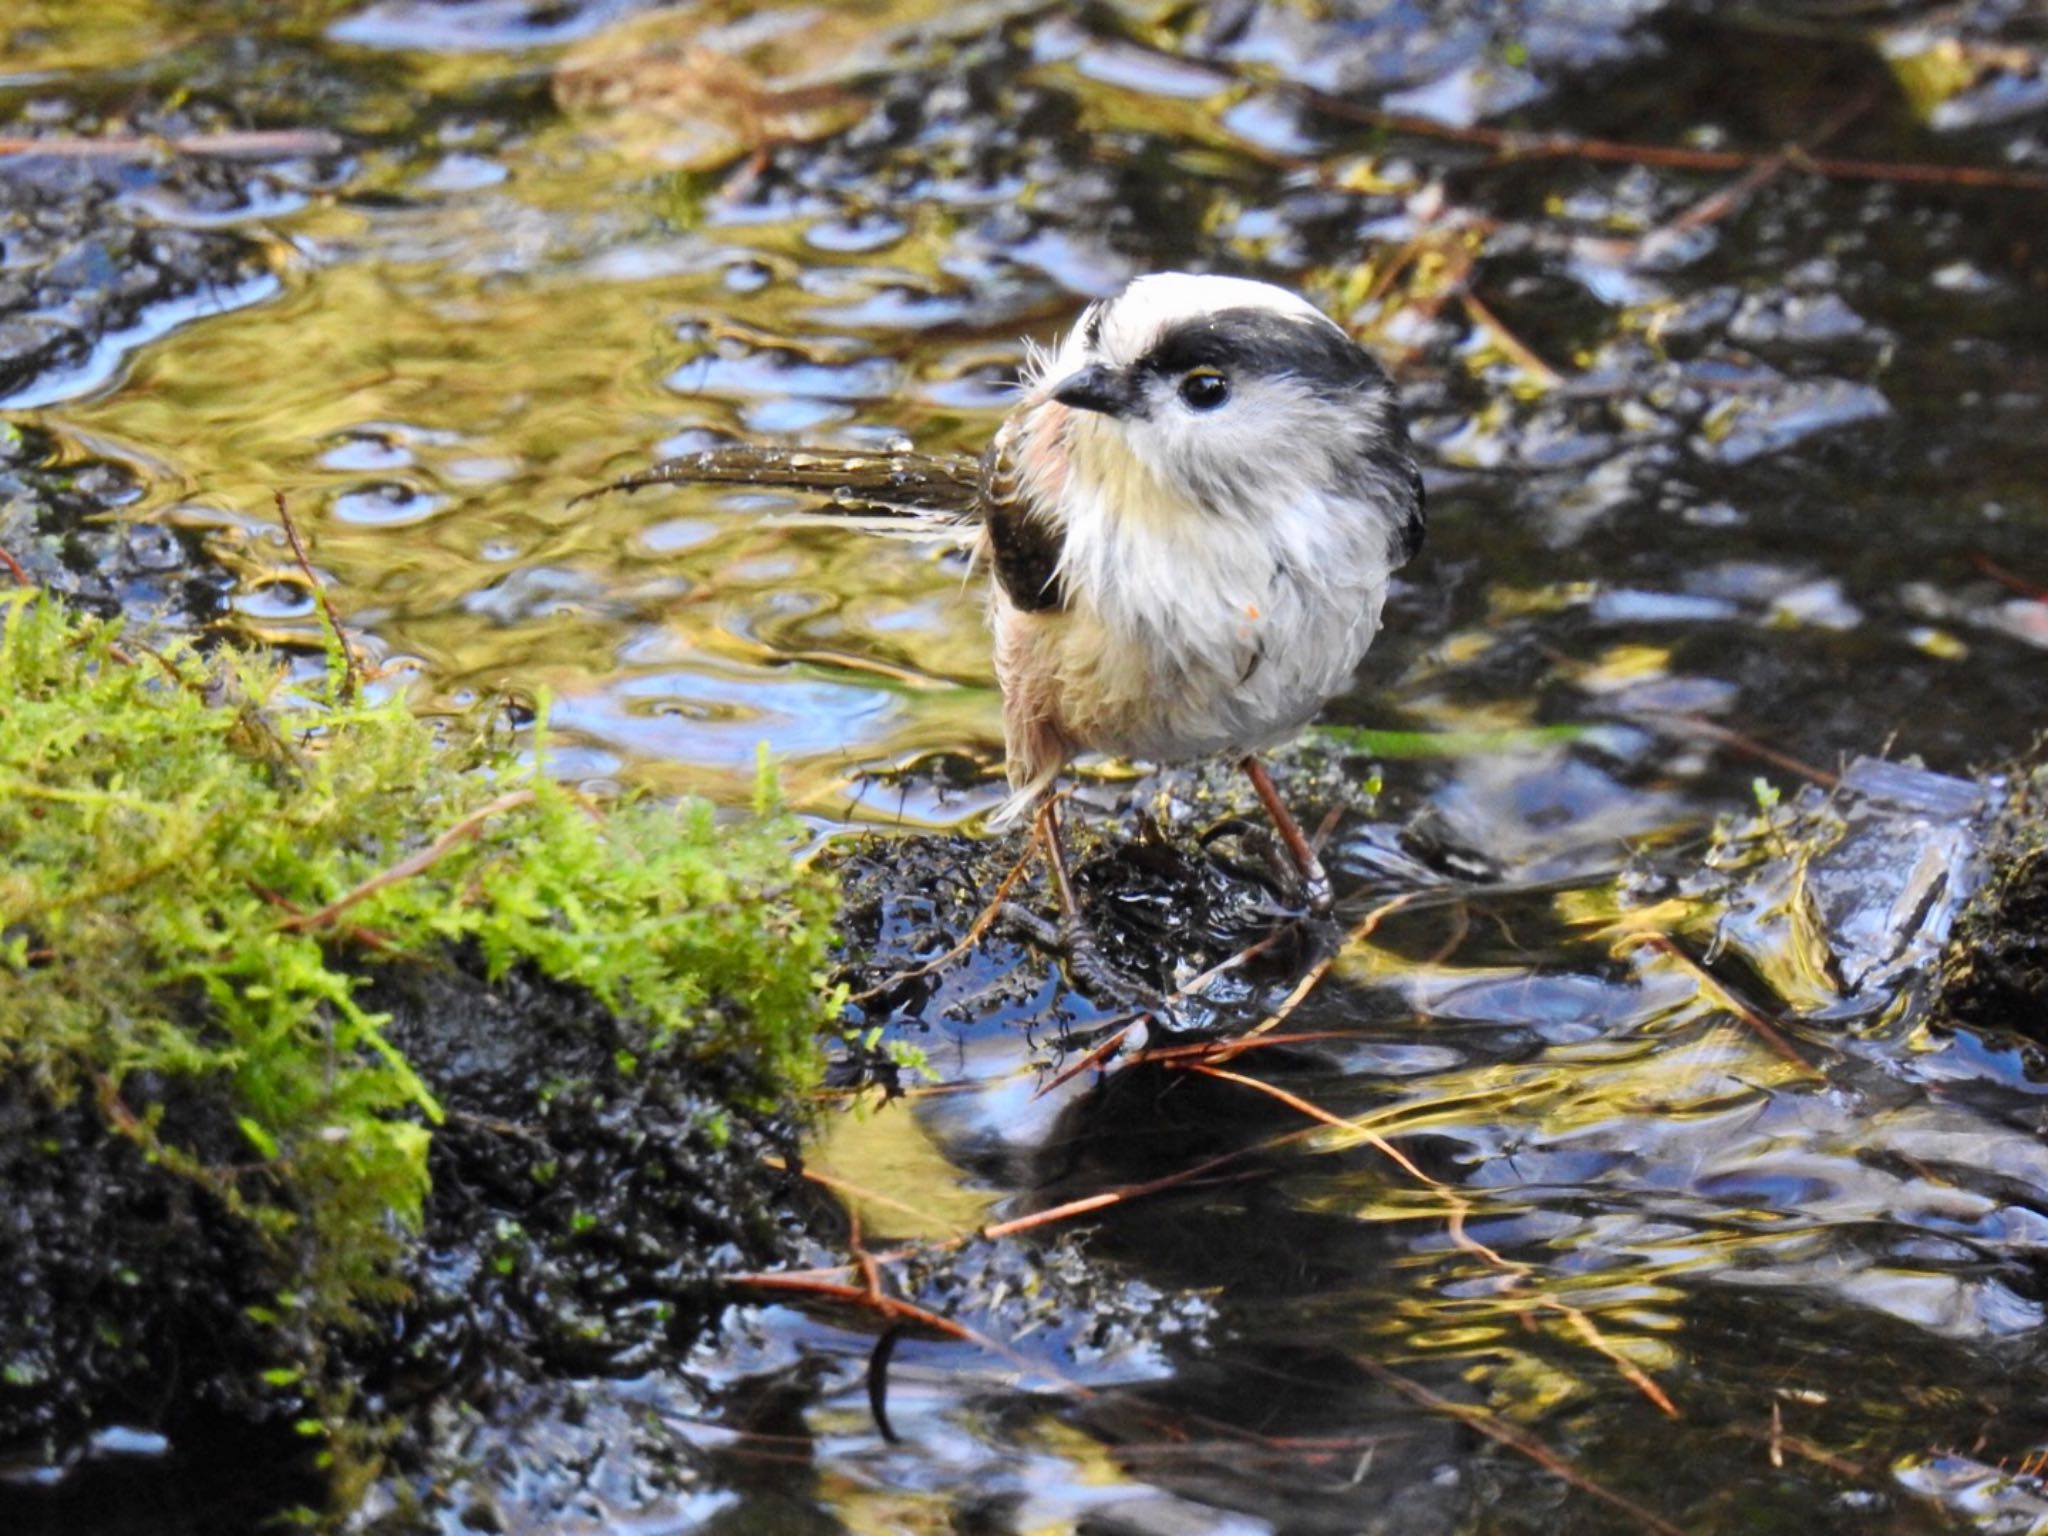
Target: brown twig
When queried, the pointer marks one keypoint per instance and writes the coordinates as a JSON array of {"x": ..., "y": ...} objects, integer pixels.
[
  {"x": 21, "y": 577},
  {"x": 1053, "y": 1215},
  {"x": 1292, "y": 1101},
  {"x": 1093, "y": 1057},
  {"x": 1987, "y": 566},
  {"x": 1386, "y": 1149},
  {"x": 369, "y": 938},
  {"x": 1516, "y": 1439},
  {"x": 1594, "y": 1340},
  {"x": 1710, "y": 730},
  {"x": 1515, "y": 144},
  {"x": 351, "y": 674},
  {"x": 1764, "y": 1029},
  {"x": 896, "y": 1310},
  {"x": 405, "y": 869},
  {"x": 889, "y": 1307},
  {"x": 1316, "y": 1112},
  {"x": 1309, "y": 982},
  {"x": 1082, "y": 1207},
  {"x": 1213, "y": 1050},
  {"x": 1243, "y": 957},
  {"x": 853, "y": 661},
  {"x": 1718, "y": 205},
  {"x": 1776, "y": 1437},
  {"x": 976, "y": 929},
  {"x": 1519, "y": 351},
  {"x": 1583, "y": 1325},
  {"x": 907, "y": 482}
]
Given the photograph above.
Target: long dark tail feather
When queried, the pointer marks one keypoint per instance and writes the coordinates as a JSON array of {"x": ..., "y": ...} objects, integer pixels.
[{"x": 929, "y": 490}]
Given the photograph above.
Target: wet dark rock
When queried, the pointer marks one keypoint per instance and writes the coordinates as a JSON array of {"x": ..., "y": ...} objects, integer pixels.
[
  {"x": 1770, "y": 416},
  {"x": 1908, "y": 858},
  {"x": 54, "y": 522},
  {"x": 1175, "y": 872},
  {"x": 1995, "y": 971},
  {"x": 588, "y": 1194},
  {"x": 124, "y": 1277},
  {"x": 1450, "y": 59},
  {"x": 80, "y": 266},
  {"x": 1842, "y": 900},
  {"x": 589, "y": 1189}
]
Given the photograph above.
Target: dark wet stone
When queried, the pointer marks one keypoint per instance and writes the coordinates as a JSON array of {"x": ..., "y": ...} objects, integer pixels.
[
  {"x": 1995, "y": 972},
  {"x": 1908, "y": 858},
  {"x": 1770, "y": 416},
  {"x": 1915, "y": 789},
  {"x": 1359, "y": 47},
  {"x": 54, "y": 521},
  {"x": 589, "y": 1191},
  {"x": 31, "y": 346},
  {"x": 1799, "y": 320},
  {"x": 122, "y": 1274}
]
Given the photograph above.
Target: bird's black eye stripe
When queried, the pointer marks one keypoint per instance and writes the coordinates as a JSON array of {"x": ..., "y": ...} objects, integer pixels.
[
  {"x": 1204, "y": 389},
  {"x": 1260, "y": 344}
]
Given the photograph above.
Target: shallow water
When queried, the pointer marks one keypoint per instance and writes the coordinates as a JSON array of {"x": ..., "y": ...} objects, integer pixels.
[{"x": 1717, "y": 494}]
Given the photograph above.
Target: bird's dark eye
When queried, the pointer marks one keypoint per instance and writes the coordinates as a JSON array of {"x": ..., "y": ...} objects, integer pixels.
[{"x": 1204, "y": 390}]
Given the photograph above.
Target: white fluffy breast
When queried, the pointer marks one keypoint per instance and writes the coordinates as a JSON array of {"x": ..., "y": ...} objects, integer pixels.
[{"x": 1188, "y": 632}]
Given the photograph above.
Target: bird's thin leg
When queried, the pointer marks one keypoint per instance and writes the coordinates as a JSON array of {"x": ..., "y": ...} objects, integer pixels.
[
  {"x": 1078, "y": 939},
  {"x": 1056, "y": 860},
  {"x": 1315, "y": 883}
]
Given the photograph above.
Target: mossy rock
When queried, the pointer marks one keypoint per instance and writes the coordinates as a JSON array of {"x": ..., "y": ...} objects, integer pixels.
[
  {"x": 1994, "y": 975},
  {"x": 323, "y": 1029}
]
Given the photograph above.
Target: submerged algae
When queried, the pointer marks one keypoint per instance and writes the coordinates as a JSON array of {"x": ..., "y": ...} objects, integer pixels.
[{"x": 213, "y": 876}]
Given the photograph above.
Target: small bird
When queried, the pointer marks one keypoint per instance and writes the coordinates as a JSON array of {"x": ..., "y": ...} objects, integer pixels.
[{"x": 1190, "y": 518}]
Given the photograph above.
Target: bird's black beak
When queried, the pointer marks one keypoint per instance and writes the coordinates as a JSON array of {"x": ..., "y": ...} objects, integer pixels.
[{"x": 1106, "y": 391}]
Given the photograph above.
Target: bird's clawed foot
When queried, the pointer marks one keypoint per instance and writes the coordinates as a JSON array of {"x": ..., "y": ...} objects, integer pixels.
[
  {"x": 1315, "y": 881},
  {"x": 1092, "y": 971},
  {"x": 1072, "y": 937}
]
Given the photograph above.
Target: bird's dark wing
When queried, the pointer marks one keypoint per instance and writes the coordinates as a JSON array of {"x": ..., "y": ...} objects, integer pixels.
[
  {"x": 1418, "y": 521},
  {"x": 1024, "y": 545}
]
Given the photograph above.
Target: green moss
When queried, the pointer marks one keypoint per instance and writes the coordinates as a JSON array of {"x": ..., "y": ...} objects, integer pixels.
[{"x": 206, "y": 864}]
